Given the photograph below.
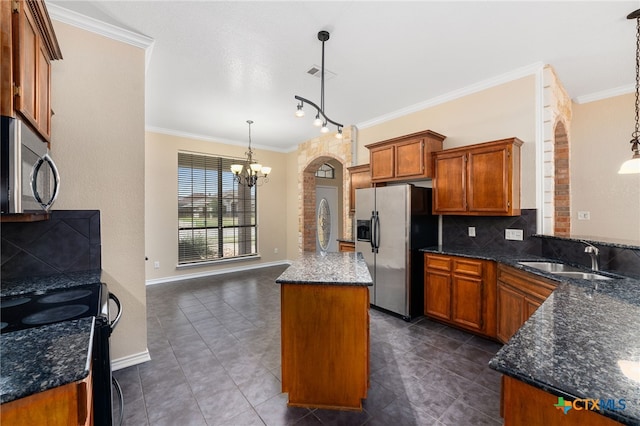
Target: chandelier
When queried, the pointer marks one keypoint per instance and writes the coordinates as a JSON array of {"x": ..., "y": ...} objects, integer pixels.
[
  {"x": 249, "y": 173},
  {"x": 633, "y": 165},
  {"x": 321, "y": 118}
]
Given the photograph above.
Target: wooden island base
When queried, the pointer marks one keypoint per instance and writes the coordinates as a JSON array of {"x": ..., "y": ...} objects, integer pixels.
[{"x": 325, "y": 345}]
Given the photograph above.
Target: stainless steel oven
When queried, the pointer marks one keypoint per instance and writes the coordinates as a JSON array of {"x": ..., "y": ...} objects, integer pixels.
[{"x": 29, "y": 179}]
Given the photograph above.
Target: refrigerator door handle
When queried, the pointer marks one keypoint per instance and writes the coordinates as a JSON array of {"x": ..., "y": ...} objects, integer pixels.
[
  {"x": 372, "y": 241},
  {"x": 376, "y": 232}
]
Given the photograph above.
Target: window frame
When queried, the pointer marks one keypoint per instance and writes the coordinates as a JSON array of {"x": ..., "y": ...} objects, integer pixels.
[{"x": 244, "y": 237}]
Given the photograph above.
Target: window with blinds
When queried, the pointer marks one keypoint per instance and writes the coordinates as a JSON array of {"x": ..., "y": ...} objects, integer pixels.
[{"x": 216, "y": 216}]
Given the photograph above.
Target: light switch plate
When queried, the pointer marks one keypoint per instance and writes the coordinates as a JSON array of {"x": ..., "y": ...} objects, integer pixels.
[
  {"x": 472, "y": 231},
  {"x": 584, "y": 215}
]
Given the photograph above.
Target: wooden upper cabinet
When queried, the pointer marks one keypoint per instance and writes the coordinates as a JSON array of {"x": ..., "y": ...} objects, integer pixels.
[
  {"x": 480, "y": 180},
  {"x": 359, "y": 177},
  {"x": 404, "y": 158},
  {"x": 34, "y": 46}
]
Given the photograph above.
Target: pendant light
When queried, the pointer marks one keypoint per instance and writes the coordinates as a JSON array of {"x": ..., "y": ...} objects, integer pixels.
[
  {"x": 251, "y": 173},
  {"x": 321, "y": 120},
  {"x": 633, "y": 165}
]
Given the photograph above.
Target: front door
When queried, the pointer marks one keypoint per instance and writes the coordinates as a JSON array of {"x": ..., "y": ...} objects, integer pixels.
[{"x": 326, "y": 218}]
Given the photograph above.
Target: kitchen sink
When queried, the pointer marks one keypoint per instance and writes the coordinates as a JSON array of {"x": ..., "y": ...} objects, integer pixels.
[
  {"x": 551, "y": 267},
  {"x": 582, "y": 275},
  {"x": 565, "y": 270}
]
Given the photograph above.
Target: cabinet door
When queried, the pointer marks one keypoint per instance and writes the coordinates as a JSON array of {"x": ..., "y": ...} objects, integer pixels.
[
  {"x": 467, "y": 297},
  {"x": 450, "y": 184},
  {"x": 511, "y": 311},
  {"x": 382, "y": 161},
  {"x": 360, "y": 177},
  {"x": 531, "y": 305},
  {"x": 437, "y": 294},
  {"x": 410, "y": 158},
  {"x": 489, "y": 183},
  {"x": 43, "y": 103},
  {"x": 27, "y": 57}
]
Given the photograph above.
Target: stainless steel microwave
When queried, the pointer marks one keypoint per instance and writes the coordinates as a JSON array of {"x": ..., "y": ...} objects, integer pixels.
[{"x": 29, "y": 178}]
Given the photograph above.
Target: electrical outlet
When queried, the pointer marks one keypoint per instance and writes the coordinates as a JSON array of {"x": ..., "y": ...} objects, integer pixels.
[
  {"x": 275, "y": 250},
  {"x": 584, "y": 215},
  {"x": 513, "y": 234},
  {"x": 472, "y": 231},
  {"x": 156, "y": 264}
]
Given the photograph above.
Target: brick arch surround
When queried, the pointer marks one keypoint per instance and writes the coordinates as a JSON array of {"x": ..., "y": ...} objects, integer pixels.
[
  {"x": 562, "y": 181},
  {"x": 311, "y": 155},
  {"x": 309, "y": 200}
]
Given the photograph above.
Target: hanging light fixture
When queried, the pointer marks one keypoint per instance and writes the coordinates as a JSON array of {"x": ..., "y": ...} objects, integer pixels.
[
  {"x": 249, "y": 173},
  {"x": 321, "y": 120},
  {"x": 633, "y": 165}
]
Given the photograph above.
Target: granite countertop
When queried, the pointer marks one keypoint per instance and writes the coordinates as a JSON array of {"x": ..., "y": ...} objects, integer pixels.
[
  {"x": 581, "y": 340},
  {"x": 41, "y": 358},
  {"x": 40, "y": 285},
  {"x": 329, "y": 268}
]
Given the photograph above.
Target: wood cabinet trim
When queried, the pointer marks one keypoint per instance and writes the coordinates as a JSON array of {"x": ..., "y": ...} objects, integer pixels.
[{"x": 45, "y": 27}]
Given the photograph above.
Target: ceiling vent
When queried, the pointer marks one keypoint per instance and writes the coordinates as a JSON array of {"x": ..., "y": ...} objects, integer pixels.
[{"x": 316, "y": 71}]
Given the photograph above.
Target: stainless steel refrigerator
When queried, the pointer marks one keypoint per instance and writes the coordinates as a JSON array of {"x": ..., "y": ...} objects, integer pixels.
[{"x": 392, "y": 224}]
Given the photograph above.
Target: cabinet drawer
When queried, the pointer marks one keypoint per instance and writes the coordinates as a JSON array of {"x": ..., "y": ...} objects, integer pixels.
[
  {"x": 434, "y": 261},
  {"x": 534, "y": 286},
  {"x": 467, "y": 267}
]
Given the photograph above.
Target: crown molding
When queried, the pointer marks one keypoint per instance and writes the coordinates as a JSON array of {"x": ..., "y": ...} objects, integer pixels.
[
  {"x": 196, "y": 136},
  {"x": 59, "y": 13},
  {"x": 516, "y": 74},
  {"x": 610, "y": 93}
]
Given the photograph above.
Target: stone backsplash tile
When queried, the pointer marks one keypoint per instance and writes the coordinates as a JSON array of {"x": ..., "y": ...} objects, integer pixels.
[
  {"x": 490, "y": 231},
  {"x": 68, "y": 242}
]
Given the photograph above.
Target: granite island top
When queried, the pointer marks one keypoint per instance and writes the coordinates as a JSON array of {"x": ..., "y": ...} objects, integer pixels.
[
  {"x": 41, "y": 358},
  {"x": 327, "y": 268},
  {"x": 583, "y": 341}
]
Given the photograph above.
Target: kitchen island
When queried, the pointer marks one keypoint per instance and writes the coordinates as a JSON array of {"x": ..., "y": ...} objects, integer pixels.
[
  {"x": 581, "y": 344},
  {"x": 325, "y": 330}
]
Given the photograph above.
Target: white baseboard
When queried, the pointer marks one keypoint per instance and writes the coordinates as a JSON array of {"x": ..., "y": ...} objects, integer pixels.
[
  {"x": 130, "y": 360},
  {"x": 216, "y": 272}
]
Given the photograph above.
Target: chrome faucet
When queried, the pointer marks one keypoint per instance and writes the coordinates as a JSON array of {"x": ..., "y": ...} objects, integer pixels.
[{"x": 593, "y": 252}]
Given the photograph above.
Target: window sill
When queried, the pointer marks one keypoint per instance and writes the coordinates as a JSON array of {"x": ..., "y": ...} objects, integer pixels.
[{"x": 219, "y": 261}]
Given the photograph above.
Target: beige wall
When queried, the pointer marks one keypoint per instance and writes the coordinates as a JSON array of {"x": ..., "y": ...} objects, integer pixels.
[
  {"x": 98, "y": 145},
  {"x": 599, "y": 144},
  {"x": 499, "y": 112},
  {"x": 161, "y": 198}
]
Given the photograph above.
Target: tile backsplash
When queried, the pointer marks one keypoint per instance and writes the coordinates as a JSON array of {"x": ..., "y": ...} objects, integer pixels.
[
  {"x": 490, "y": 235},
  {"x": 490, "y": 232},
  {"x": 68, "y": 242}
]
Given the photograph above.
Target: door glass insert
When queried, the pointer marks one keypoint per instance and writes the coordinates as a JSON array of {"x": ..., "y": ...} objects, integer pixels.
[{"x": 323, "y": 224}]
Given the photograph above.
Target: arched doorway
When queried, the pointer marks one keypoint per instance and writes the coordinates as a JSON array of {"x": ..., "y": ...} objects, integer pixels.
[{"x": 309, "y": 200}]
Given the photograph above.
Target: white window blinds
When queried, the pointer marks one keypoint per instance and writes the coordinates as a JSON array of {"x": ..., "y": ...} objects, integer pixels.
[{"x": 216, "y": 216}]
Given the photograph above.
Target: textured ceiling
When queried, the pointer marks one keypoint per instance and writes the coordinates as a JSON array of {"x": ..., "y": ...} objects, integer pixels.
[{"x": 216, "y": 64}]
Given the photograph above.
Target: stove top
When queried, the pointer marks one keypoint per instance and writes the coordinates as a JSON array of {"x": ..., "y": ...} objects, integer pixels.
[{"x": 32, "y": 309}]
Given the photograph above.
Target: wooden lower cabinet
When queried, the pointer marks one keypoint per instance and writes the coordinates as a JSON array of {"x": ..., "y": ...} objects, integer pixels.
[
  {"x": 325, "y": 345},
  {"x": 66, "y": 405},
  {"x": 461, "y": 291},
  {"x": 346, "y": 246},
  {"x": 526, "y": 405},
  {"x": 519, "y": 294}
]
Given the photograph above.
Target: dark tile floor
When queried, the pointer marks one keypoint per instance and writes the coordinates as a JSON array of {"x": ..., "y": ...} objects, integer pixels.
[{"x": 215, "y": 360}]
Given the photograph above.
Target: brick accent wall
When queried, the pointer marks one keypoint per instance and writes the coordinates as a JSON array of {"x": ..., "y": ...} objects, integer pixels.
[
  {"x": 562, "y": 198},
  {"x": 311, "y": 155},
  {"x": 557, "y": 121}
]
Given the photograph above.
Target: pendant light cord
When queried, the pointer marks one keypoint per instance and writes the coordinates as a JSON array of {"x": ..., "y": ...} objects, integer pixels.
[{"x": 636, "y": 133}]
